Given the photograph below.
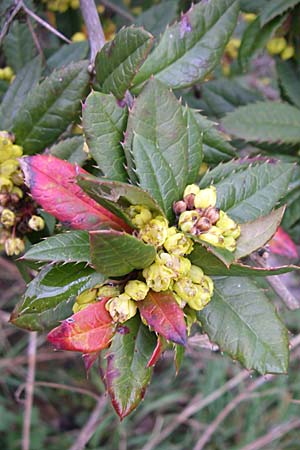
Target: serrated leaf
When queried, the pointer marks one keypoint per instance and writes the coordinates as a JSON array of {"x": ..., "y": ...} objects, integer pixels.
[
  {"x": 157, "y": 17},
  {"x": 126, "y": 375},
  {"x": 89, "y": 330},
  {"x": 213, "y": 266},
  {"x": 116, "y": 196},
  {"x": 275, "y": 8},
  {"x": 195, "y": 136},
  {"x": 224, "y": 170},
  {"x": 163, "y": 314},
  {"x": 156, "y": 145},
  {"x": 191, "y": 48},
  {"x": 52, "y": 185},
  {"x": 252, "y": 193},
  {"x": 72, "y": 246},
  {"x": 67, "y": 54},
  {"x": 289, "y": 80},
  {"x": 53, "y": 105},
  {"x": 18, "y": 91},
  {"x": 255, "y": 235},
  {"x": 245, "y": 325},
  {"x": 70, "y": 149},
  {"x": 104, "y": 123},
  {"x": 50, "y": 295},
  {"x": 119, "y": 60},
  {"x": 269, "y": 122},
  {"x": 115, "y": 254},
  {"x": 255, "y": 38},
  {"x": 18, "y": 46}
]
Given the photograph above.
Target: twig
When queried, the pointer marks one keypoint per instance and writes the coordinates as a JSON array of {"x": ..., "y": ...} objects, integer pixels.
[
  {"x": 118, "y": 10},
  {"x": 275, "y": 433},
  {"x": 35, "y": 39},
  {"x": 29, "y": 390},
  {"x": 58, "y": 386},
  {"x": 93, "y": 26},
  {"x": 20, "y": 360},
  {"x": 90, "y": 427},
  {"x": 9, "y": 20}
]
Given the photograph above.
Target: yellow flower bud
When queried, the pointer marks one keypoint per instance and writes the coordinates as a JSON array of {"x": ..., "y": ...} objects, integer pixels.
[
  {"x": 178, "y": 244},
  {"x": 158, "y": 277},
  {"x": 5, "y": 184},
  {"x": 8, "y": 167},
  {"x": 155, "y": 231},
  {"x": 186, "y": 289},
  {"x": 17, "y": 178},
  {"x": 78, "y": 37},
  {"x": 137, "y": 290},
  {"x": 196, "y": 274},
  {"x": 287, "y": 53},
  {"x": 249, "y": 17},
  {"x": 229, "y": 243},
  {"x": 232, "y": 48},
  {"x": 179, "y": 300},
  {"x": 121, "y": 308},
  {"x": 86, "y": 298},
  {"x": 204, "y": 294},
  {"x": 74, "y": 4},
  {"x": 179, "y": 265},
  {"x": 8, "y": 73},
  {"x": 213, "y": 236},
  {"x": 8, "y": 218},
  {"x": 187, "y": 220},
  {"x": 108, "y": 291},
  {"x": 16, "y": 151},
  {"x": 276, "y": 45},
  {"x": 139, "y": 215},
  {"x": 17, "y": 191},
  {"x": 206, "y": 197},
  {"x": 191, "y": 189},
  {"x": 36, "y": 223},
  {"x": 14, "y": 246},
  {"x": 226, "y": 225}
]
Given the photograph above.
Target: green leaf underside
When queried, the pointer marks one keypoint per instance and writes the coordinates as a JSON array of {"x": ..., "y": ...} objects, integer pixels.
[
  {"x": 18, "y": 91},
  {"x": 252, "y": 193},
  {"x": 275, "y": 8},
  {"x": 127, "y": 376},
  {"x": 70, "y": 149},
  {"x": 255, "y": 235},
  {"x": 156, "y": 145},
  {"x": 104, "y": 123},
  {"x": 119, "y": 60},
  {"x": 50, "y": 295},
  {"x": 190, "y": 49},
  {"x": 245, "y": 325},
  {"x": 213, "y": 266},
  {"x": 116, "y": 196},
  {"x": 195, "y": 135},
  {"x": 289, "y": 80},
  {"x": 72, "y": 246},
  {"x": 18, "y": 46},
  {"x": 53, "y": 105},
  {"x": 115, "y": 254},
  {"x": 270, "y": 122}
]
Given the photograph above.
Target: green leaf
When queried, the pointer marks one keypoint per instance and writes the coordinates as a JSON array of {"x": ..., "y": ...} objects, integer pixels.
[
  {"x": 50, "y": 295},
  {"x": 18, "y": 46},
  {"x": 127, "y": 376},
  {"x": 67, "y": 54},
  {"x": 104, "y": 123},
  {"x": 288, "y": 75},
  {"x": 156, "y": 145},
  {"x": 275, "y": 8},
  {"x": 245, "y": 325},
  {"x": 195, "y": 135},
  {"x": 115, "y": 254},
  {"x": 255, "y": 235},
  {"x": 72, "y": 246},
  {"x": 212, "y": 265},
  {"x": 119, "y": 60},
  {"x": 18, "y": 91},
  {"x": 222, "y": 171},
  {"x": 191, "y": 48},
  {"x": 4, "y": 85},
  {"x": 252, "y": 193},
  {"x": 53, "y": 105},
  {"x": 116, "y": 196},
  {"x": 255, "y": 38},
  {"x": 265, "y": 122},
  {"x": 222, "y": 254},
  {"x": 70, "y": 149},
  {"x": 156, "y": 18}
]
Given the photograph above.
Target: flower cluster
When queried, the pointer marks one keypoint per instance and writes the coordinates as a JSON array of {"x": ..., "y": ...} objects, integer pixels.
[
  {"x": 17, "y": 210},
  {"x": 61, "y": 5},
  {"x": 197, "y": 214}
]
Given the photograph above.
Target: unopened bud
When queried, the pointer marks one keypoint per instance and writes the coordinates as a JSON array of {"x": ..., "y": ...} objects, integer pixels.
[
  {"x": 139, "y": 215},
  {"x": 121, "y": 308},
  {"x": 158, "y": 277},
  {"x": 187, "y": 220},
  {"x": 137, "y": 290},
  {"x": 14, "y": 246},
  {"x": 16, "y": 194},
  {"x": 86, "y": 298},
  {"x": 179, "y": 207},
  {"x": 213, "y": 236},
  {"x": 206, "y": 197},
  {"x": 17, "y": 178},
  {"x": 228, "y": 226},
  {"x": 155, "y": 232},
  {"x": 190, "y": 201},
  {"x": 196, "y": 274},
  {"x": 203, "y": 224},
  {"x": 191, "y": 189},
  {"x": 8, "y": 167},
  {"x": 5, "y": 184},
  {"x": 108, "y": 291},
  {"x": 8, "y": 218},
  {"x": 36, "y": 223},
  {"x": 212, "y": 213}
]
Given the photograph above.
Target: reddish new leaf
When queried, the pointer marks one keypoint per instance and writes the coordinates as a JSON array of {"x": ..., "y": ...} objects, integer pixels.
[
  {"x": 163, "y": 314},
  {"x": 157, "y": 352},
  {"x": 87, "y": 331},
  {"x": 282, "y": 244},
  {"x": 89, "y": 360},
  {"x": 52, "y": 183}
]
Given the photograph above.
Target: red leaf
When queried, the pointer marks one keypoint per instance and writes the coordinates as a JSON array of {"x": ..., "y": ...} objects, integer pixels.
[
  {"x": 282, "y": 244},
  {"x": 89, "y": 360},
  {"x": 163, "y": 314},
  {"x": 87, "y": 331},
  {"x": 157, "y": 352},
  {"x": 52, "y": 183}
]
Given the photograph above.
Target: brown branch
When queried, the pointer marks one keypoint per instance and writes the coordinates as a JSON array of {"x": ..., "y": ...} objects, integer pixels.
[
  {"x": 35, "y": 39},
  {"x": 118, "y": 10},
  {"x": 93, "y": 26},
  {"x": 9, "y": 20},
  {"x": 29, "y": 390},
  {"x": 65, "y": 387}
]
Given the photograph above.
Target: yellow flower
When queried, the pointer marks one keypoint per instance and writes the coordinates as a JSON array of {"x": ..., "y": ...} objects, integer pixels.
[
  {"x": 276, "y": 45},
  {"x": 178, "y": 244},
  {"x": 121, "y": 308},
  {"x": 206, "y": 197},
  {"x": 158, "y": 277},
  {"x": 139, "y": 215},
  {"x": 36, "y": 223},
  {"x": 288, "y": 52},
  {"x": 136, "y": 289},
  {"x": 8, "y": 218},
  {"x": 191, "y": 189},
  {"x": 14, "y": 246},
  {"x": 155, "y": 231}
]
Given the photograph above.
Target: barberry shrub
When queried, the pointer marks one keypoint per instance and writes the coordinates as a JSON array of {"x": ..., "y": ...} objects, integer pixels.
[{"x": 149, "y": 243}]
